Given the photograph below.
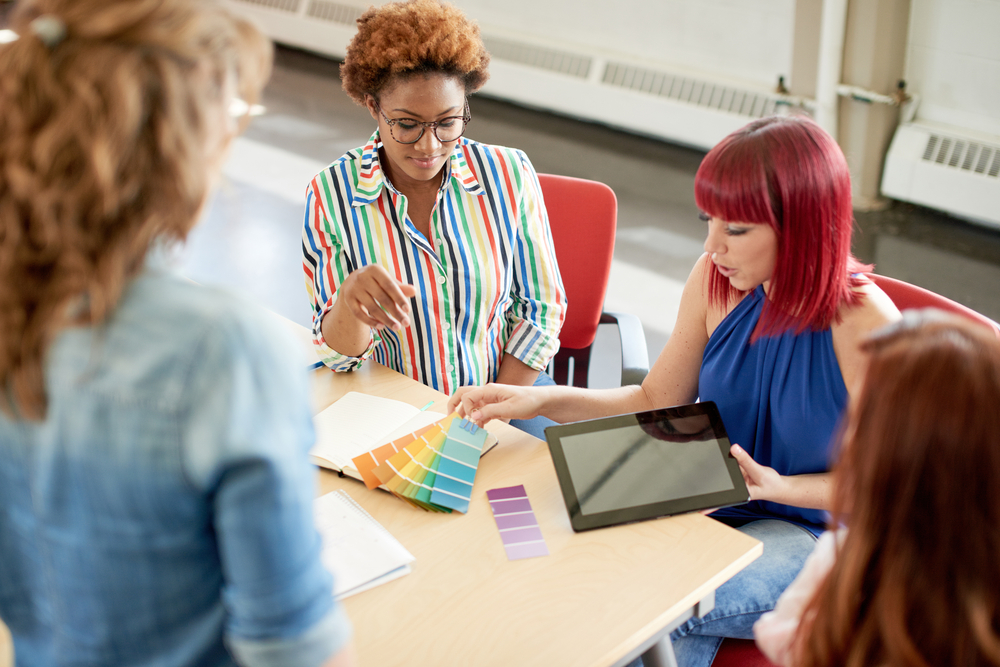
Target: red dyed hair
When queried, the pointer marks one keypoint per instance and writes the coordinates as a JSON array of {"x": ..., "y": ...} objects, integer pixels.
[
  {"x": 787, "y": 172},
  {"x": 916, "y": 581}
]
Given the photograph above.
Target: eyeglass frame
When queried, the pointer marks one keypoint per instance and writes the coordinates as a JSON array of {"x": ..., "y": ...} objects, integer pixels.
[{"x": 465, "y": 118}]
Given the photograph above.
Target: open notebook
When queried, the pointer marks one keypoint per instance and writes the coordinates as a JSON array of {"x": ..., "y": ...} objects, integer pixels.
[
  {"x": 358, "y": 423},
  {"x": 357, "y": 549}
]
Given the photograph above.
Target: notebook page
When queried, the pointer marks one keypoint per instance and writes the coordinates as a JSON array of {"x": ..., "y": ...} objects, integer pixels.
[
  {"x": 355, "y": 424},
  {"x": 413, "y": 424},
  {"x": 357, "y": 549}
]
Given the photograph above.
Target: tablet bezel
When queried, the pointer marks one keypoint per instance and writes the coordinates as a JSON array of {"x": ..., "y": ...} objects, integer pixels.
[{"x": 581, "y": 522}]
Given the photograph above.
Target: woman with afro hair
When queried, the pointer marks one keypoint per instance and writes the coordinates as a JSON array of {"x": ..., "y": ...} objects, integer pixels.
[{"x": 425, "y": 250}]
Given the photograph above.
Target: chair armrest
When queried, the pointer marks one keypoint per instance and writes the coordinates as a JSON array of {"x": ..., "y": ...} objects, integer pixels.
[{"x": 635, "y": 358}]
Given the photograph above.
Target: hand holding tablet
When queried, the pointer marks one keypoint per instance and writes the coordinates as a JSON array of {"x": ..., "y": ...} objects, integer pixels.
[{"x": 645, "y": 465}]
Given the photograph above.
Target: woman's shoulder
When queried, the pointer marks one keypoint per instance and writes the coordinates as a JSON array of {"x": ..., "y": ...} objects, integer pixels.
[
  {"x": 352, "y": 160},
  {"x": 872, "y": 310},
  {"x": 515, "y": 157},
  {"x": 168, "y": 333},
  {"x": 194, "y": 319}
]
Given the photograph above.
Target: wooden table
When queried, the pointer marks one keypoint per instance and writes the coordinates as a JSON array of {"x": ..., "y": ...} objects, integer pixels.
[{"x": 600, "y": 598}]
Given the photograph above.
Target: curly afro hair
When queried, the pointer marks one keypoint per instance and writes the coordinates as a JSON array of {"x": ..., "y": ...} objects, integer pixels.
[{"x": 413, "y": 37}]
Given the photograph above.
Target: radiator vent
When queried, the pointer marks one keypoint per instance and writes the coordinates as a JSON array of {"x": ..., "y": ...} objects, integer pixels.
[
  {"x": 965, "y": 155},
  {"x": 334, "y": 12},
  {"x": 693, "y": 91},
  {"x": 281, "y": 5},
  {"x": 955, "y": 171},
  {"x": 577, "y": 80},
  {"x": 554, "y": 60}
]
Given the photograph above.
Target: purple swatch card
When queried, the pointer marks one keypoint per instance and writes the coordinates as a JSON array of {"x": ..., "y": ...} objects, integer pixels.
[{"x": 522, "y": 538}]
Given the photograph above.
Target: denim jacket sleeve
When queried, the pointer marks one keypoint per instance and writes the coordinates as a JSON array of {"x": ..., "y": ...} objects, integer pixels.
[{"x": 246, "y": 436}]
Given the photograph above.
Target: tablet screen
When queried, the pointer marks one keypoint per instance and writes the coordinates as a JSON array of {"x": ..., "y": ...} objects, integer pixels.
[
  {"x": 648, "y": 464},
  {"x": 630, "y": 466}
]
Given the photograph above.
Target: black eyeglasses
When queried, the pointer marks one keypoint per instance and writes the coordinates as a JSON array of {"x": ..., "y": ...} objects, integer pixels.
[{"x": 409, "y": 131}]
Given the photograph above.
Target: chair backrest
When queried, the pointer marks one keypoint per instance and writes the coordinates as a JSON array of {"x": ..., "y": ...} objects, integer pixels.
[
  {"x": 907, "y": 296},
  {"x": 740, "y": 653},
  {"x": 583, "y": 216}
]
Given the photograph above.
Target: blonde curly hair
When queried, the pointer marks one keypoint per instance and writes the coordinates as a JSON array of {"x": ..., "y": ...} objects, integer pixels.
[
  {"x": 413, "y": 37},
  {"x": 103, "y": 150}
]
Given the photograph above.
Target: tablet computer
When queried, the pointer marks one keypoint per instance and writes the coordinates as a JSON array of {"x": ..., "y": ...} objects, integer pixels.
[{"x": 645, "y": 465}]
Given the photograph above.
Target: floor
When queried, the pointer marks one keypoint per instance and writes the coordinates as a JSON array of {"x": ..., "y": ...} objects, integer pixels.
[{"x": 249, "y": 239}]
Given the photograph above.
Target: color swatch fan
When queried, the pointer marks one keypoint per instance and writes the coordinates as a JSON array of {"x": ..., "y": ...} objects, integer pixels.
[{"x": 433, "y": 468}]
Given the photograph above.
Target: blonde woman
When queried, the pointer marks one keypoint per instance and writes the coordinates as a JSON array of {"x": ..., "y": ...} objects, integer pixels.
[{"x": 155, "y": 495}]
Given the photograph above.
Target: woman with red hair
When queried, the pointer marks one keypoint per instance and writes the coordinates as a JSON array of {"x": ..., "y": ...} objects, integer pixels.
[
  {"x": 914, "y": 578},
  {"x": 769, "y": 328}
]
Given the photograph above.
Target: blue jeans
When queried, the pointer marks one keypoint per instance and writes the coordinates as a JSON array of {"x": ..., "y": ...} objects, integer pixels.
[
  {"x": 754, "y": 590},
  {"x": 536, "y": 426}
]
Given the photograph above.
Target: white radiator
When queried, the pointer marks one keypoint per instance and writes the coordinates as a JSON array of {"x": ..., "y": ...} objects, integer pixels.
[
  {"x": 946, "y": 168},
  {"x": 683, "y": 107}
]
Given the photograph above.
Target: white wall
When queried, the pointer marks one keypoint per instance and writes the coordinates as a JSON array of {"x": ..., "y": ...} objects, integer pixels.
[
  {"x": 953, "y": 62},
  {"x": 714, "y": 63},
  {"x": 741, "y": 40}
]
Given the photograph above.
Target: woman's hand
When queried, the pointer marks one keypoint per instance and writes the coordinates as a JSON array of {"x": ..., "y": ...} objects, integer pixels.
[
  {"x": 810, "y": 491},
  {"x": 497, "y": 401},
  {"x": 376, "y": 299},
  {"x": 762, "y": 482}
]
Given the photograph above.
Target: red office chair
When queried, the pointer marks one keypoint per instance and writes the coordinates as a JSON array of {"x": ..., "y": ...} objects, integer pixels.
[
  {"x": 907, "y": 296},
  {"x": 740, "y": 653},
  {"x": 583, "y": 215}
]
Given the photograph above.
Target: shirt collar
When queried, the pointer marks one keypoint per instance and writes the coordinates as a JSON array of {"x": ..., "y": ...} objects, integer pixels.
[{"x": 371, "y": 178}]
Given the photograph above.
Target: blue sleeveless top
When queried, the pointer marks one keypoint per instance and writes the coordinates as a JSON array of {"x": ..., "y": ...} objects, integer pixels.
[{"x": 781, "y": 399}]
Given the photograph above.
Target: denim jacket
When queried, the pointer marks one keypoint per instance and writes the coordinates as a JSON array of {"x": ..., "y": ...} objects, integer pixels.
[{"x": 161, "y": 513}]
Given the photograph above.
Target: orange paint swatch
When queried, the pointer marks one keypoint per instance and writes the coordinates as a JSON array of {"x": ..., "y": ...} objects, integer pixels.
[{"x": 367, "y": 462}]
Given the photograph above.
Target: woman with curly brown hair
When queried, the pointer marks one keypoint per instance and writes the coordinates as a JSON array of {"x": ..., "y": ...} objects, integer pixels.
[
  {"x": 914, "y": 578},
  {"x": 426, "y": 251},
  {"x": 155, "y": 491}
]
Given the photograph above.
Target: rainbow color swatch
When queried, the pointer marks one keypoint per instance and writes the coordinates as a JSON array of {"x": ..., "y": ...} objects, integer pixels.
[{"x": 432, "y": 468}]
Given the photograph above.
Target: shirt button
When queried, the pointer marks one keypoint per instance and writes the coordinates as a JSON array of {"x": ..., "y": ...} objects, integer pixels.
[
  {"x": 442, "y": 280},
  {"x": 451, "y": 369},
  {"x": 445, "y": 325}
]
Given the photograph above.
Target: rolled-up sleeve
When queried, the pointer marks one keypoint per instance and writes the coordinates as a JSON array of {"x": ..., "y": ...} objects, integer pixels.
[
  {"x": 246, "y": 446},
  {"x": 539, "y": 299},
  {"x": 326, "y": 267},
  {"x": 313, "y": 647}
]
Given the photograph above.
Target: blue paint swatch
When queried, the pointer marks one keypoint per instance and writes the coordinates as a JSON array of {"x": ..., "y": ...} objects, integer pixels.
[{"x": 457, "y": 469}]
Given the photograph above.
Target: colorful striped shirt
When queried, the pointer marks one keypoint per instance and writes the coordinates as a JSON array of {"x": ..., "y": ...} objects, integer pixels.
[{"x": 487, "y": 282}]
